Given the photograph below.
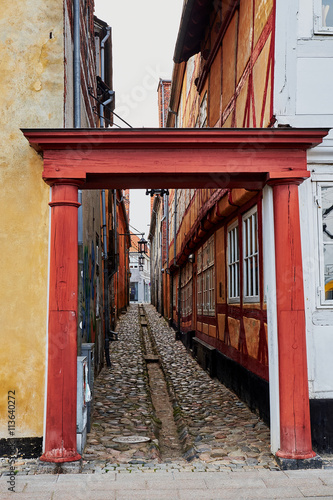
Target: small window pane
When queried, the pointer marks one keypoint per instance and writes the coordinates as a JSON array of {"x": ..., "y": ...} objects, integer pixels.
[
  {"x": 233, "y": 264},
  {"x": 327, "y": 213},
  {"x": 327, "y": 13},
  {"x": 250, "y": 256},
  {"x": 327, "y": 228}
]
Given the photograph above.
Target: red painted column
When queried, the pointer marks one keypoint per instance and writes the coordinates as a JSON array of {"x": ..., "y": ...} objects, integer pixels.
[
  {"x": 295, "y": 430},
  {"x": 60, "y": 432}
]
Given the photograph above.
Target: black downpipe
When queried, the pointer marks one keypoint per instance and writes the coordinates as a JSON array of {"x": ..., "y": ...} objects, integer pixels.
[{"x": 115, "y": 248}]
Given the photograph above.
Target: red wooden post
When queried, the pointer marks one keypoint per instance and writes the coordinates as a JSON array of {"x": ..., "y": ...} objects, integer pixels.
[
  {"x": 295, "y": 430},
  {"x": 60, "y": 432}
]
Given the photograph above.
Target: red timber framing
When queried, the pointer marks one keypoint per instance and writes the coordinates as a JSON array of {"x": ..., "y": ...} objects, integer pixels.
[{"x": 175, "y": 158}]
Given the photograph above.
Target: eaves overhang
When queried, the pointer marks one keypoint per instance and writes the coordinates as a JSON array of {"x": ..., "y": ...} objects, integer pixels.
[{"x": 193, "y": 22}]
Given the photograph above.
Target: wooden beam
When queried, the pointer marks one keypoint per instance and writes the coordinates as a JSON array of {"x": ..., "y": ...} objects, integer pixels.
[{"x": 135, "y": 158}]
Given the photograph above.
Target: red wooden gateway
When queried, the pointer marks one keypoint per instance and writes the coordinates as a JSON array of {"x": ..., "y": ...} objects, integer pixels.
[{"x": 175, "y": 158}]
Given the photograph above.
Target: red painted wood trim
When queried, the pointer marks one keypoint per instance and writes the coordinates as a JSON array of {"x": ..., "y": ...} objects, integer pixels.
[
  {"x": 249, "y": 67},
  {"x": 79, "y": 142},
  {"x": 234, "y": 103},
  {"x": 295, "y": 435},
  {"x": 234, "y": 312},
  {"x": 251, "y": 73},
  {"x": 269, "y": 70},
  {"x": 171, "y": 158},
  {"x": 60, "y": 431}
]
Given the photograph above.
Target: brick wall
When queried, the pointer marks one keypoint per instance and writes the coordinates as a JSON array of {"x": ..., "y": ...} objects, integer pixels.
[{"x": 163, "y": 90}]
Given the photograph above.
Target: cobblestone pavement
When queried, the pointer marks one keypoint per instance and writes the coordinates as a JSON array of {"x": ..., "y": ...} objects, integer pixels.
[
  {"x": 216, "y": 431},
  {"x": 218, "y": 428}
]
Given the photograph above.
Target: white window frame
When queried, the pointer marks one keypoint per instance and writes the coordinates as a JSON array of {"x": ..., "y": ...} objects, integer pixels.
[
  {"x": 250, "y": 256},
  {"x": 206, "y": 279},
  {"x": 233, "y": 264},
  {"x": 199, "y": 283},
  {"x": 208, "y": 271},
  {"x": 186, "y": 290},
  {"x": 318, "y": 19},
  {"x": 323, "y": 302}
]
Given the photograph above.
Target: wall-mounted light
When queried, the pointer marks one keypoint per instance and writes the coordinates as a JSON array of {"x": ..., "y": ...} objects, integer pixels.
[
  {"x": 191, "y": 258},
  {"x": 140, "y": 268},
  {"x": 141, "y": 260},
  {"x": 142, "y": 245}
]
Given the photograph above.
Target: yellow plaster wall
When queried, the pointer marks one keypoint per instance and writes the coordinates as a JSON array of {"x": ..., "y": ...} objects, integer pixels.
[{"x": 31, "y": 95}]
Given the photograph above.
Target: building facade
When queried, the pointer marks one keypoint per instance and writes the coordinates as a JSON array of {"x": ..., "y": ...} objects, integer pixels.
[
  {"x": 56, "y": 61},
  {"x": 254, "y": 64},
  {"x": 139, "y": 273}
]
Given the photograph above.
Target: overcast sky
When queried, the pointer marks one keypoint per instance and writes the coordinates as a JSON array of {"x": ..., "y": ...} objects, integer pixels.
[{"x": 143, "y": 36}]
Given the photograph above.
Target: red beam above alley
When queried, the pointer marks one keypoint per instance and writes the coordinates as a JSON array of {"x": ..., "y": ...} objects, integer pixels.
[{"x": 172, "y": 158}]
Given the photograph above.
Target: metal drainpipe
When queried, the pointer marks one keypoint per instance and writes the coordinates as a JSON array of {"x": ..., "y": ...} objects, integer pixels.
[
  {"x": 105, "y": 254},
  {"x": 115, "y": 259},
  {"x": 101, "y": 106},
  {"x": 77, "y": 124}
]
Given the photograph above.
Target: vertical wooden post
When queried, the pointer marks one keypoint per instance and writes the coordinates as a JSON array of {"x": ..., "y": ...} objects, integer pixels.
[
  {"x": 295, "y": 430},
  {"x": 60, "y": 432}
]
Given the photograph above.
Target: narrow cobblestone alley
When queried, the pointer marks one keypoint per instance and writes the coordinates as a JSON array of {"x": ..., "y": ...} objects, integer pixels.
[
  {"x": 215, "y": 429},
  {"x": 155, "y": 389}
]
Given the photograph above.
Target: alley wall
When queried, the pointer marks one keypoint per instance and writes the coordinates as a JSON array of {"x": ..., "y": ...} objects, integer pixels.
[{"x": 31, "y": 95}]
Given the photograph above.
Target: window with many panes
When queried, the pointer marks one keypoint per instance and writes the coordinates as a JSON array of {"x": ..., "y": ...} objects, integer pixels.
[
  {"x": 233, "y": 263},
  {"x": 186, "y": 290},
  {"x": 325, "y": 223},
  {"x": 250, "y": 256},
  {"x": 206, "y": 279},
  {"x": 199, "y": 283},
  {"x": 249, "y": 260}
]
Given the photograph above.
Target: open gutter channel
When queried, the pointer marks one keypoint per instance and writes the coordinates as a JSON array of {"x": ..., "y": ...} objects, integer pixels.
[{"x": 170, "y": 446}]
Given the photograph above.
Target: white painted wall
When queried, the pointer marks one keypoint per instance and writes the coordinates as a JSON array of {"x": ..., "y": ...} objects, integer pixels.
[
  {"x": 303, "y": 98},
  {"x": 141, "y": 277},
  {"x": 270, "y": 298}
]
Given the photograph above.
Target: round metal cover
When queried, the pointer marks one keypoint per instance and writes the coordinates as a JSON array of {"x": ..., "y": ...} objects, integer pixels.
[{"x": 131, "y": 439}]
